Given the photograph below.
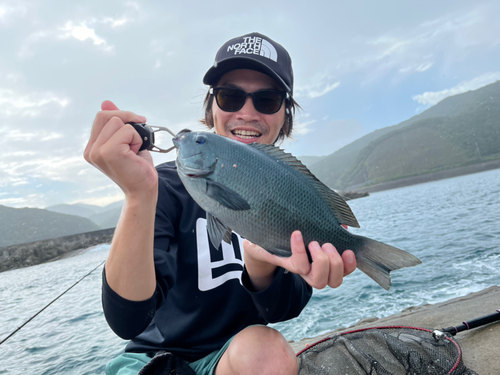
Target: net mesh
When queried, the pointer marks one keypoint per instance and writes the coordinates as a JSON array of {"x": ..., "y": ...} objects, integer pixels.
[{"x": 384, "y": 351}]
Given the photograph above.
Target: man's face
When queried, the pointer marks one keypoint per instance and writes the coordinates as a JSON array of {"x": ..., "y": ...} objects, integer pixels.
[{"x": 248, "y": 125}]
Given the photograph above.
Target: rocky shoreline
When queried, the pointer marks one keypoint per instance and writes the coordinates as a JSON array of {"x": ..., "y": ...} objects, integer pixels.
[
  {"x": 32, "y": 253},
  {"x": 348, "y": 195},
  {"x": 479, "y": 345},
  {"x": 433, "y": 176}
]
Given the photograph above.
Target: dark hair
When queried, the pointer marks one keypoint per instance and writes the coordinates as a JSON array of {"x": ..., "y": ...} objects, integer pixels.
[{"x": 286, "y": 130}]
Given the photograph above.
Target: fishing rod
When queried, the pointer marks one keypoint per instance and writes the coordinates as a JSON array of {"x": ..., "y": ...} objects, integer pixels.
[
  {"x": 473, "y": 323},
  {"x": 147, "y": 133},
  {"x": 50, "y": 303}
]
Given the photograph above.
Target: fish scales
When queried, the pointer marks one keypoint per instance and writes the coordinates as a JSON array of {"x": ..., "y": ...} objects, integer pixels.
[
  {"x": 279, "y": 205},
  {"x": 264, "y": 194}
]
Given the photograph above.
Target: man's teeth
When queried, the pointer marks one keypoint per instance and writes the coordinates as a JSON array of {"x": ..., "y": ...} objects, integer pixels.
[{"x": 246, "y": 134}]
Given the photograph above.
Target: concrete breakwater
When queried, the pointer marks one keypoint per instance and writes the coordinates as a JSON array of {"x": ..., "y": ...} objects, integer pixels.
[{"x": 32, "y": 253}]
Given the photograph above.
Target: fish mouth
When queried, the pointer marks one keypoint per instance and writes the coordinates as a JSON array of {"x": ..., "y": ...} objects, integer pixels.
[
  {"x": 178, "y": 138},
  {"x": 193, "y": 172}
]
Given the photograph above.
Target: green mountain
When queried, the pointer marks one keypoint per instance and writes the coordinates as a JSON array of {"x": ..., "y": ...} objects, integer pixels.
[
  {"x": 104, "y": 217},
  {"x": 108, "y": 218},
  {"x": 460, "y": 130},
  {"x": 21, "y": 225},
  {"x": 73, "y": 209}
]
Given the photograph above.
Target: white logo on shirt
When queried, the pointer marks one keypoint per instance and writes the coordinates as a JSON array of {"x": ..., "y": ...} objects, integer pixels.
[
  {"x": 254, "y": 46},
  {"x": 212, "y": 274}
]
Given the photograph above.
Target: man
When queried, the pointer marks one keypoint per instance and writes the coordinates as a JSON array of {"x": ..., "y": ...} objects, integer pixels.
[{"x": 164, "y": 286}]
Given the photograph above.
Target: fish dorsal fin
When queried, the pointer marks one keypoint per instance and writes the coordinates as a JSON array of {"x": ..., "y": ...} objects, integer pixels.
[{"x": 341, "y": 209}]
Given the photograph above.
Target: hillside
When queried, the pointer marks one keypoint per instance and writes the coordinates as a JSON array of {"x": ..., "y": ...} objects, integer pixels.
[
  {"x": 108, "y": 218},
  {"x": 21, "y": 225},
  {"x": 460, "y": 130},
  {"x": 73, "y": 209},
  {"x": 104, "y": 217}
]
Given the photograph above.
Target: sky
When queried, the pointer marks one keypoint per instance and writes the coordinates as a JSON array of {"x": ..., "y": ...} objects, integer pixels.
[{"x": 358, "y": 66}]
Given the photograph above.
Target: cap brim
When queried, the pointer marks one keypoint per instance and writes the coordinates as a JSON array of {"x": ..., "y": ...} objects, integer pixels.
[{"x": 240, "y": 62}]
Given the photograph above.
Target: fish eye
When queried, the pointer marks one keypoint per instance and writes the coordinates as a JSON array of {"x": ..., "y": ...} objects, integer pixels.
[{"x": 200, "y": 140}]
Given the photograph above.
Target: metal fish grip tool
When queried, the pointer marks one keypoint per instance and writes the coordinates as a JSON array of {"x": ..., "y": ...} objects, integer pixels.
[
  {"x": 390, "y": 350},
  {"x": 147, "y": 133}
]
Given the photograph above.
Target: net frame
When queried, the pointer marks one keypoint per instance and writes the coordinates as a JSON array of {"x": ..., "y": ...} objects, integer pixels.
[{"x": 455, "y": 367}]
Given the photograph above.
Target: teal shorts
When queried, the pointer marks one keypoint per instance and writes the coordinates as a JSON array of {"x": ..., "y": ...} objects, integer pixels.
[{"x": 132, "y": 363}]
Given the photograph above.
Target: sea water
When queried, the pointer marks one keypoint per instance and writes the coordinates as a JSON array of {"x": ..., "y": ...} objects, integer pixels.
[{"x": 452, "y": 225}]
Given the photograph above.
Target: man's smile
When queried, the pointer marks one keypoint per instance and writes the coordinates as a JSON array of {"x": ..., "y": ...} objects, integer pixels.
[{"x": 246, "y": 134}]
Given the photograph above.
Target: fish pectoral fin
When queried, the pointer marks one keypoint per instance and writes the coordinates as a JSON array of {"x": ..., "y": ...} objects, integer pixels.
[
  {"x": 227, "y": 236},
  {"x": 217, "y": 231},
  {"x": 227, "y": 197}
]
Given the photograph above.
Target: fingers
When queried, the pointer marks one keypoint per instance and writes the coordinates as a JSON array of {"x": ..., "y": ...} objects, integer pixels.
[
  {"x": 299, "y": 259},
  {"x": 113, "y": 149},
  {"x": 328, "y": 267},
  {"x": 349, "y": 260},
  {"x": 103, "y": 117},
  {"x": 108, "y": 105},
  {"x": 336, "y": 266},
  {"x": 117, "y": 140},
  {"x": 320, "y": 267},
  {"x": 115, "y": 128},
  {"x": 259, "y": 264}
]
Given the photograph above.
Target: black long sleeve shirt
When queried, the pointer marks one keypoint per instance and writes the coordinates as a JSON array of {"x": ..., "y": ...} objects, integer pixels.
[{"x": 203, "y": 295}]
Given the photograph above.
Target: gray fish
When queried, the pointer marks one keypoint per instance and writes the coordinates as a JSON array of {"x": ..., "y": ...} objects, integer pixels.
[{"x": 264, "y": 194}]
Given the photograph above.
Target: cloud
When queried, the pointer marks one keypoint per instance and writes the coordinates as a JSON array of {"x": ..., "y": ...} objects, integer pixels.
[
  {"x": 26, "y": 48},
  {"x": 302, "y": 127},
  {"x": 430, "y": 98},
  {"x": 417, "y": 67},
  {"x": 51, "y": 136},
  {"x": 324, "y": 90},
  {"x": 415, "y": 49},
  {"x": 14, "y": 202},
  {"x": 115, "y": 22},
  {"x": 424, "y": 66},
  {"x": 28, "y": 200},
  {"x": 324, "y": 137},
  {"x": 319, "y": 87},
  {"x": 9, "y": 14},
  {"x": 101, "y": 200},
  {"x": 55, "y": 72},
  {"x": 13, "y": 103},
  {"x": 11, "y": 180},
  {"x": 81, "y": 32}
]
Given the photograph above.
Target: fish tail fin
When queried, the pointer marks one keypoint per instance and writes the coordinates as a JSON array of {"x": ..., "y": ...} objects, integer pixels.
[{"x": 377, "y": 260}]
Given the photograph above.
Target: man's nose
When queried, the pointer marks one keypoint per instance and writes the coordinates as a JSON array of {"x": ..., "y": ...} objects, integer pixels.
[{"x": 248, "y": 111}]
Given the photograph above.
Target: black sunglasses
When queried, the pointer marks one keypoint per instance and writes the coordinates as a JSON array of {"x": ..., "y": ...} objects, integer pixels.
[{"x": 231, "y": 99}]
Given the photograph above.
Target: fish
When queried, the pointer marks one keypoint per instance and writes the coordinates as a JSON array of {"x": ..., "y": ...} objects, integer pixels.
[{"x": 264, "y": 194}]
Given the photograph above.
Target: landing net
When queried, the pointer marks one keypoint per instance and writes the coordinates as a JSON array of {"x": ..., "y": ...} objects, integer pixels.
[{"x": 384, "y": 351}]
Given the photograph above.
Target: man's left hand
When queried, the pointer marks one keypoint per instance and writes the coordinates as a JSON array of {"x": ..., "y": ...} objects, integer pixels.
[{"x": 328, "y": 267}]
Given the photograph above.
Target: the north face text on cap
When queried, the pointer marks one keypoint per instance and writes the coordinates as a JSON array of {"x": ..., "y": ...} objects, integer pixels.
[{"x": 254, "y": 46}]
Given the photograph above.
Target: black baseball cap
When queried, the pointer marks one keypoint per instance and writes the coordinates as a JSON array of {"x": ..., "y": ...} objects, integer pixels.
[{"x": 256, "y": 52}]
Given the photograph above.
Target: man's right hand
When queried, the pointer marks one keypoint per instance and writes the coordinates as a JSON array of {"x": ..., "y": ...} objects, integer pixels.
[{"x": 113, "y": 149}]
